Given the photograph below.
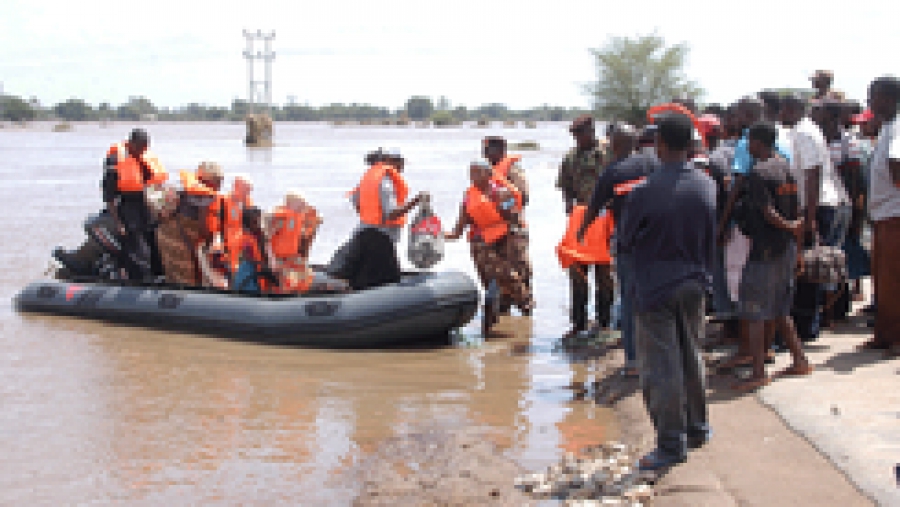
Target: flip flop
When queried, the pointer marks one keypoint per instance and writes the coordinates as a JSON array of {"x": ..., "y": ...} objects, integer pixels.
[
  {"x": 750, "y": 385},
  {"x": 795, "y": 371},
  {"x": 735, "y": 362}
]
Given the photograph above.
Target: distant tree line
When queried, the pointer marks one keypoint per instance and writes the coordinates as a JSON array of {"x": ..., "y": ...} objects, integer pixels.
[{"x": 417, "y": 108}]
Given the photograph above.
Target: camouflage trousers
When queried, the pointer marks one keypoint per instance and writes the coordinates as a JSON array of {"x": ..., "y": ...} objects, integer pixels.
[
  {"x": 493, "y": 262},
  {"x": 517, "y": 253},
  {"x": 177, "y": 238}
]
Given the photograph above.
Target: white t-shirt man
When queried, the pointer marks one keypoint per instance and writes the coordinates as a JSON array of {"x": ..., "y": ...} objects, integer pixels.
[
  {"x": 808, "y": 150},
  {"x": 884, "y": 196}
]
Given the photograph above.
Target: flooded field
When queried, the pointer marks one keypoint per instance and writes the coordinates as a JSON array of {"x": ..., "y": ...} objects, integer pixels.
[{"x": 97, "y": 413}]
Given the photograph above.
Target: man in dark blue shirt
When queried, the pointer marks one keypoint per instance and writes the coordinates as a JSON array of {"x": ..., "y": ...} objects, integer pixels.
[
  {"x": 668, "y": 225},
  {"x": 625, "y": 173}
]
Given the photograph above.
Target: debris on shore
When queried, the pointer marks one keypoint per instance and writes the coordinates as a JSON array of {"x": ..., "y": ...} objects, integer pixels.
[{"x": 601, "y": 475}]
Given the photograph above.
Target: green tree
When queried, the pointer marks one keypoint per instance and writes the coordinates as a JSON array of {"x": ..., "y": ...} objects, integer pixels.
[
  {"x": 16, "y": 109},
  {"x": 635, "y": 74},
  {"x": 74, "y": 110},
  {"x": 136, "y": 109},
  {"x": 419, "y": 108}
]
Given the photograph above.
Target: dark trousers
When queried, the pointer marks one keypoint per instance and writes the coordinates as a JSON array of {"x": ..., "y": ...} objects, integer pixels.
[
  {"x": 625, "y": 272},
  {"x": 604, "y": 291},
  {"x": 368, "y": 259},
  {"x": 671, "y": 368},
  {"x": 137, "y": 256}
]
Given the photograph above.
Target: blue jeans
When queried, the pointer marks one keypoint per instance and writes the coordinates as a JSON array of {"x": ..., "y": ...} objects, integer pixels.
[{"x": 625, "y": 272}]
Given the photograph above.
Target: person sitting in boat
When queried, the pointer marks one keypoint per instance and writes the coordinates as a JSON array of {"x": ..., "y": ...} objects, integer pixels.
[
  {"x": 253, "y": 274},
  {"x": 369, "y": 258},
  {"x": 292, "y": 228},
  {"x": 232, "y": 227},
  {"x": 189, "y": 231},
  {"x": 489, "y": 208}
]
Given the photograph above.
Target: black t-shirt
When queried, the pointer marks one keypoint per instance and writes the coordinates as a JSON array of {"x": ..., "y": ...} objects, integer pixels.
[{"x": 770, "y": 183}]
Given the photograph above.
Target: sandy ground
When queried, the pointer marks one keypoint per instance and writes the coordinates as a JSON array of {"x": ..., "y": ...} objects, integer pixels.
[{"x": 765, "y": 450}]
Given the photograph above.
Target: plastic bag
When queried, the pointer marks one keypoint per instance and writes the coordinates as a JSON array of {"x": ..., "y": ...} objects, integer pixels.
[{"x": 426, "y": 238}]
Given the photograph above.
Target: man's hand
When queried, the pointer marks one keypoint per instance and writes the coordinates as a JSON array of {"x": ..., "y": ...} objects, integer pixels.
[
  {"x": 569, "y": 206},
  {"x": 723, "y": 236},
  {"x": 580, "y": 234}
]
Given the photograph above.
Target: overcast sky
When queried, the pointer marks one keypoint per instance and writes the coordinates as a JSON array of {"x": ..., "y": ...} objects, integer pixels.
[{"x": 520, "y": 53}]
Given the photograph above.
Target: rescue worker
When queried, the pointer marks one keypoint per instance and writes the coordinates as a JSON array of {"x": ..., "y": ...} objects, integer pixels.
[
  {"x": 369, "y": 258},
  {"x": 292, "y": 228},
  {"x": 234, "y": 205},
  {"x": 196, "y": 221},
  {"x": 489, "y": 211},
  {"x": 509, "y": 169},
  {"x": 129, "y": 169},
  {"x": 578, "y": 174}
]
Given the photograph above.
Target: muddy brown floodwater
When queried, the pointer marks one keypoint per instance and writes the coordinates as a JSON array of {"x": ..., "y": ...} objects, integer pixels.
[{"x": 98, "y": 413}]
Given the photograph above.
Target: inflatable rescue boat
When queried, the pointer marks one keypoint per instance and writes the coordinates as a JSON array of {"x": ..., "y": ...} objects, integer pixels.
[{"x": 421, "y": 307}]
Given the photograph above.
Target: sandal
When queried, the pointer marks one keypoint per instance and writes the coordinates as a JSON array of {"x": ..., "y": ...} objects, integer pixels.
[
  {"x": 796, "y": 371},
  {"x": 750, "y": 385},
  {"x": 735, "y": 362}
]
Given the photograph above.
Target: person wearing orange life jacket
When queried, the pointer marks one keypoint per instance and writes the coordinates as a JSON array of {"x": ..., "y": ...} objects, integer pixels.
[
  {"x": 232, "y": 226},
  {"x": 629, "y": 170},
  {"x": 129, "y": 169},
  {"x": 369, "y": 258},
  {"x": 292, "y": 228},
  {"x": 508, "y": 168},
  {"x": 578, "y": 174},
  {"x": 189, "y": 232},
  {"x": 489, "y": 211}
]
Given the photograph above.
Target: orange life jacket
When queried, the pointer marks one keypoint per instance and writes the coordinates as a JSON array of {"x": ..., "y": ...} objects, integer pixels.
[
  {"x": 501, "y": 169},
  {"x": 233, "y": 227},
  {"x": 246, "y": 248},
  {"x": 130, "y": 174},
  {"x": 193, "y": 186},
  {"x": 485, "y": 215},
  {"x": 294, "y": 228},
  {"x": 594, "y": 249},
  {"x": 295, "y": 277},
  {"x": 369, "y": 195}
]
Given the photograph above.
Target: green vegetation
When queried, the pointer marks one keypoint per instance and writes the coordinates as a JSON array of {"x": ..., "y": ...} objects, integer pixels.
[
  {"x": 416, "y": 109},
  {"x": 635, "y": 74}
]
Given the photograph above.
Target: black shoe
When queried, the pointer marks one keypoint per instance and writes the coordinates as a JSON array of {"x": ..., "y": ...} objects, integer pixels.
[{"x": 698, "y": 440}]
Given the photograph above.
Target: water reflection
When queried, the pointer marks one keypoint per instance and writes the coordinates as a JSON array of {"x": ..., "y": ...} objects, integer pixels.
[{"x": 102, "y": 413}]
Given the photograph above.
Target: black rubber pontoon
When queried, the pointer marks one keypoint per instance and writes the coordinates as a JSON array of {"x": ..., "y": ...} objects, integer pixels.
[{"x": 419, "y": 308}]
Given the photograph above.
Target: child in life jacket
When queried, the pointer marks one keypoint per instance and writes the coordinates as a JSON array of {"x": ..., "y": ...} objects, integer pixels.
[
  {"x": 253, "y": 275},
  {"x": 292, "y": 228},
  {"x": 490, "y": 206}
]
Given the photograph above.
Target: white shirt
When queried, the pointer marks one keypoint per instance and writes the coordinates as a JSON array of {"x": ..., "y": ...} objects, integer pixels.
[
  {"x": 884, "y": 196},
  {"x": 809, "y": 150}
]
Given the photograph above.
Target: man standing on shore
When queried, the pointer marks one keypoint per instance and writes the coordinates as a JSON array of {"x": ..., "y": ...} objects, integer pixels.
[
  {"x": 884, "y": 209},
  {"x": 578, "y": 174},
  {"x": 669, "y": 227}
]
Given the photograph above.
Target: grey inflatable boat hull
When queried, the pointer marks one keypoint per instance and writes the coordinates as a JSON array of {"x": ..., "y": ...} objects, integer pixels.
[{"x": 420, "y": 308}]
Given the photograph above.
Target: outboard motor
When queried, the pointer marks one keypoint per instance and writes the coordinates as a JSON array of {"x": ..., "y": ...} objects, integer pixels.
[{"x": 96, "y": 257}]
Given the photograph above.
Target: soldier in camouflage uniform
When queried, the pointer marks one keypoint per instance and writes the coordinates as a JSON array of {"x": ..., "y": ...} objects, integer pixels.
[
  {"x": 578, "y": 175},
  {"x": 509, "y": 168}
]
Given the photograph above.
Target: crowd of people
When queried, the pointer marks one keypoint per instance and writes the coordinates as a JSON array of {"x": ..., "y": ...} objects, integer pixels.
[
  {"x": 734, "y": 212},
  {"x": 753, "y": 214}
]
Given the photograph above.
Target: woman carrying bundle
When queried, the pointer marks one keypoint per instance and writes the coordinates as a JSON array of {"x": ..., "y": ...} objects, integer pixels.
[{"x": 490, "y": 206}]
